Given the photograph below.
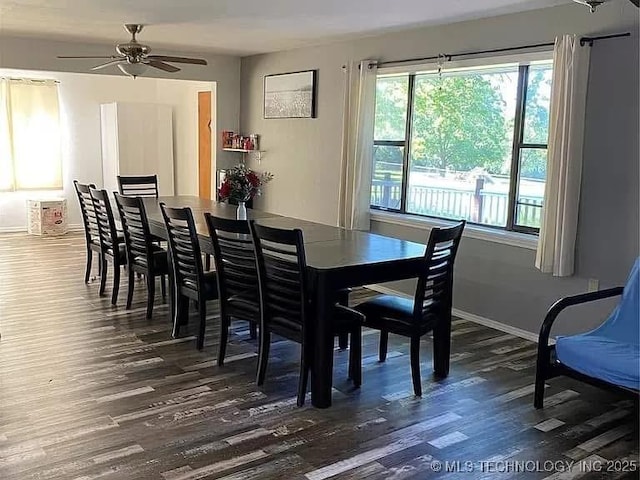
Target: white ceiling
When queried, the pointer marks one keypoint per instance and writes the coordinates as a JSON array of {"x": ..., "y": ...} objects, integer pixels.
[{"x": 239, "y": 26}]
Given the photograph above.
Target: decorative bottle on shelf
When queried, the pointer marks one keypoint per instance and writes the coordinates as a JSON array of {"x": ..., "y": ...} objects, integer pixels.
[
  {"x": 254, "y": 141},
  {"x": 241, "y": 212}
]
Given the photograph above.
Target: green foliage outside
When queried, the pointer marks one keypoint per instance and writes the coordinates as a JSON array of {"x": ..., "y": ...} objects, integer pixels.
[
  {"x": 391, "y": 108},
  {"x": 460, "y": 122},
  {"x": 536, "y": 123}
]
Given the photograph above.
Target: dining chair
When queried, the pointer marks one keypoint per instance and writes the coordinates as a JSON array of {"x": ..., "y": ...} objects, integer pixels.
[
  {"x": 90, "y": 224},
  {"x": 138, "y": 185},
  {"x": 429, "y": 310},
  {"x": 111, "y": 243},
  {"x": 143, "y": 255},
  {"x": 190, "y": 281},
  {"x": 285, "y": 306},
  {"x": 237, "y": 275}
]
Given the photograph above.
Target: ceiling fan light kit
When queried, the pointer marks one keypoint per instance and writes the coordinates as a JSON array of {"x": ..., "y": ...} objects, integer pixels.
[
  {"x": 134, "y": 58},
  {"x": 133, "y": 69}
]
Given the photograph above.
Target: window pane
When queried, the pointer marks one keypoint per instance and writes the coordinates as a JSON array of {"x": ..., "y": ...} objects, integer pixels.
[
  {"x": 386, "y": 184},
  {"x": 533, "y": 174},
  {"x": 536, "y": 119},
  {"x": 462, "y": 135},
  {"x": 391, "y": 107}
]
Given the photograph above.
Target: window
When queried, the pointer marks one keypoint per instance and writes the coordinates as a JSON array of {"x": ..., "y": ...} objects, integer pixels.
[
  {"x": 468, "y": 143},
  {"x": 30, "y": 156}
]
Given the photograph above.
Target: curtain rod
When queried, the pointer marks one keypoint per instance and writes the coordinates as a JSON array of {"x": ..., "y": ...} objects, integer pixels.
[
  {"x": 590, "y": 40},
  {"x": 583, "y": 41},
  {"x": 36, "y": 80}
]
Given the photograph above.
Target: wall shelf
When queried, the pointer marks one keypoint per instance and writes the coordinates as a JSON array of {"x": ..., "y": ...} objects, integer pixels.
[
  {"x": 257, "y": 153},
  {"x": 241, "y": 150}
]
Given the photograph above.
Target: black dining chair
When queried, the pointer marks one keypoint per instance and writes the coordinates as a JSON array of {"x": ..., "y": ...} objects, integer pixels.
[
  {"x": 429, "y": 310},
  {"x": 138, "y": 185},
  {"x": 143, "y": 255},
  {"x": 285, "y": 306},
  {"x": 111, "y": 243},
  {"x": 90, "y": 224},
  {"x": 189, "y": 279},
  {"x": 237, "y": 275}
]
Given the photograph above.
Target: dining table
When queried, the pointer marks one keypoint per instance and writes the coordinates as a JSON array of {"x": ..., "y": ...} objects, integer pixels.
[{"x": 337, "y": 258}]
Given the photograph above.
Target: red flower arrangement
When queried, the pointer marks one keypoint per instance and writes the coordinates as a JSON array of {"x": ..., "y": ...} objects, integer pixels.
[{"x": 241, "y": 184}]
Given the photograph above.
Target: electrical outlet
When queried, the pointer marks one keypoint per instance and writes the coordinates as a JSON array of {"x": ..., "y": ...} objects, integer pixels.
[{"x": 593, "y": 285}]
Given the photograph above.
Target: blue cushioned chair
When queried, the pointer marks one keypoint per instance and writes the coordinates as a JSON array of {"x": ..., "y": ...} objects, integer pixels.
[{"x": 608, "y": 356}]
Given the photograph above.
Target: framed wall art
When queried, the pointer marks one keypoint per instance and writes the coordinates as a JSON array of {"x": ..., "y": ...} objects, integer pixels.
[{"x": 290, "y": 95}]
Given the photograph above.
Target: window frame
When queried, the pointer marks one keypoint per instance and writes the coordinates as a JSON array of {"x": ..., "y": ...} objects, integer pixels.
[{"x": 524, "y": 62}]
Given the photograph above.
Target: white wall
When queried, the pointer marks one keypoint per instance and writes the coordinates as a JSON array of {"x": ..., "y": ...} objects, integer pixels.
[
  {"x": 492, "y": 280},
  {"x": 80, "y": 99},
  {"x": 40, "y": 54}
]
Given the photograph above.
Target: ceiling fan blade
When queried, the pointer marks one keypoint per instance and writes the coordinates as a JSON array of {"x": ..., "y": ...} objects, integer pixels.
[
  {"x": 108, "y": 64},
  {"x": 164, "y": 58},
  {"x": 162, "y": 66},
  {"x": 62, "y": 56}
]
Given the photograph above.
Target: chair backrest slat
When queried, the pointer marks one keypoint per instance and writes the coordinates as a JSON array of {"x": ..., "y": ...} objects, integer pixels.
[
  {"x": 89, "y": 220},
  {"x": 184, "y": 246},
  {"x": 108, "y": 233},
  {"x": 138, "y": 186},
  {"x": 434, "y": 291},
  {"x": 281, "y": 262},
  {"x": 234, "y": 257},
  {"x": 135, "y": 225}
]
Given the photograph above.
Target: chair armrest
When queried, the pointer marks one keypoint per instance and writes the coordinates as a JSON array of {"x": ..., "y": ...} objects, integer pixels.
[{"x": 560, "y": 305}]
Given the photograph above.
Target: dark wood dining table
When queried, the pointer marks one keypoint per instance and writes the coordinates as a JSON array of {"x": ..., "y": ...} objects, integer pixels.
[{"x": 336, "y": 259}]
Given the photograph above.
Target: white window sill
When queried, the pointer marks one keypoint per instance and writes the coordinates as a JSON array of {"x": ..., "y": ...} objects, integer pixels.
[{"x": 515, "y": 239}]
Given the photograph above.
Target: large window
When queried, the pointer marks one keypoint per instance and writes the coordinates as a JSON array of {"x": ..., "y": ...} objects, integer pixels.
[
  {"x": 30, "y": 157},
  {"x": 464, "y": 143}
]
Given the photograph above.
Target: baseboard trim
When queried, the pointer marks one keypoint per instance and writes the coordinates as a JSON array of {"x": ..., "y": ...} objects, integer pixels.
[
  {"x": 471, "y": 317},
  {"x": 503, "y": 327},
  {"x": 13, "y": 230},
  {"x": 70, "y": 229}
]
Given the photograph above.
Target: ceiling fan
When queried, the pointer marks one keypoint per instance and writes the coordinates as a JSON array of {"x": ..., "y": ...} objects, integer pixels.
[
  {"x": 594, "y": 4},
  {"x": 133, "y": 58}
]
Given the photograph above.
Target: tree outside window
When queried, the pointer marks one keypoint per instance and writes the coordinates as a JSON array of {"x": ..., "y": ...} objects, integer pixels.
[{"x": 474, "y": 146}]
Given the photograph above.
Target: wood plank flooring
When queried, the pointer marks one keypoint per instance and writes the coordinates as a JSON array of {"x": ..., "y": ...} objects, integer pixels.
[{"x": 89, "y": 391}]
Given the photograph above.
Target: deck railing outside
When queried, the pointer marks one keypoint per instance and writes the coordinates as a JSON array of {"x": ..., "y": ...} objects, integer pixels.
[{"x": 478, "y": 205}]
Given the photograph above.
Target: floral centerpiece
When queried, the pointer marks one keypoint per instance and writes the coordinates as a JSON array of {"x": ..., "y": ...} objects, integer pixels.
[{"x": 242, "y": 184}]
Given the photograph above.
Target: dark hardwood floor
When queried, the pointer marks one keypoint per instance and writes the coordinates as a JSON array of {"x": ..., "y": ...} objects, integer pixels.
[{"x": 89, "y": 391}]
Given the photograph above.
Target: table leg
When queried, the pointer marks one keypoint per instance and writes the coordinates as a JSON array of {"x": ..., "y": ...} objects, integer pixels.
[{"x": 322, "y": 368}]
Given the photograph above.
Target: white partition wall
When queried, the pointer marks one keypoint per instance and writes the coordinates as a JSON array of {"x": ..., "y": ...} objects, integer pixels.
[{"x": 137, "y": 139}]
